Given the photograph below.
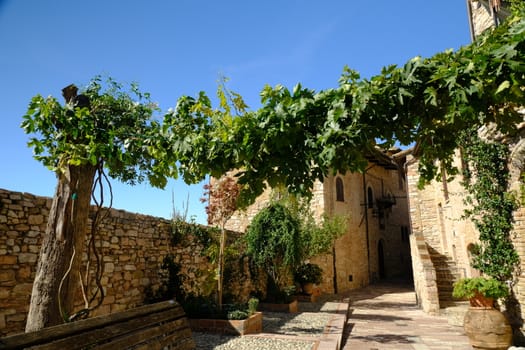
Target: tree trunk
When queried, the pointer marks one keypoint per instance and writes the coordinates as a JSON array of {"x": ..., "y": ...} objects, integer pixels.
[
  {"x": 65, "y": 233},
  {"x": 220, "y": 280}
]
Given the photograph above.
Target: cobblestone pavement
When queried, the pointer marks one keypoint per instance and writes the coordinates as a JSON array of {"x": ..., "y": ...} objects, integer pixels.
[{"x": 385, "y": 317}]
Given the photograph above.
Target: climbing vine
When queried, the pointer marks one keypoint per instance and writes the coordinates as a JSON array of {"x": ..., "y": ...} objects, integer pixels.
[
  {"x": 486, "y": 179},
  {"x": 300, "y": 135}
]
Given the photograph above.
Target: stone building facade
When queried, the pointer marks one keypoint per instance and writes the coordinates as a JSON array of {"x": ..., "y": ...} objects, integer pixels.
[
  {"x": 132, "y": 246},
  {"x": 376, "y": 244},
  {"x": 441, "y": 238}
]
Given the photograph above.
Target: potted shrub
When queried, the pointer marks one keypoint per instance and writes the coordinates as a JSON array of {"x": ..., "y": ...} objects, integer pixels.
[
  {"x": 307, "y": 275},
  {"x": 486, "y": 327},
  {"x": 481, "y": 291}
]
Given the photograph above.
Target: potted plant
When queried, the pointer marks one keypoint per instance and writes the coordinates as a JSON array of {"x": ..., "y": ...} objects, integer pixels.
[
  {"x": 486, "y": 327},
  {"x": 481, "y": 291},
  {"x": 307, "y": 275}
]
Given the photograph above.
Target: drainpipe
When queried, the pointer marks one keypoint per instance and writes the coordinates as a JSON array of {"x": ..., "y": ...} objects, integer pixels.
[
  {"x": 366, "y": 223},
  {"x": 335, "y": 268},
  {"x": 334, "y": 258}
]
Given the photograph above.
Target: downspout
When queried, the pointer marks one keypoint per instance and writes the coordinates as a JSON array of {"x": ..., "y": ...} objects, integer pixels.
[
  {"x": 366, "y": 223},
  {"x": 334, "y": 268},
  {"x": 334, "y": 257}
]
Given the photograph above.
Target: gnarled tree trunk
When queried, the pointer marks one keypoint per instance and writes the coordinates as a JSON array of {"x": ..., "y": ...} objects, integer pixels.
[{"x": 62, "y": 248}]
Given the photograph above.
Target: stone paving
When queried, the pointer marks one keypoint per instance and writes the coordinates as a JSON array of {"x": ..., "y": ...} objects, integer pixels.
[
  {"x": 380, "y": 317},
  {"x": 387, "y": 317}
]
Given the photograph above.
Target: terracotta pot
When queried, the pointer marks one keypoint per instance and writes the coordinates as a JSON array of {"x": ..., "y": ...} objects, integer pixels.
[
  {"x": 487, "y": 328},
  {"x": 479, "y": 300},
  {"x": 308, "y": 288}
]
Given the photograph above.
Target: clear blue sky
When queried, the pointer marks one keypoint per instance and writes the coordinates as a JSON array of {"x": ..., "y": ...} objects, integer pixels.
[{"x": 180, "y": 47}]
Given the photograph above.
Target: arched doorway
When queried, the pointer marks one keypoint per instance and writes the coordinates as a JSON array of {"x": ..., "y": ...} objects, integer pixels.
[{"x": 381, "y": 259}]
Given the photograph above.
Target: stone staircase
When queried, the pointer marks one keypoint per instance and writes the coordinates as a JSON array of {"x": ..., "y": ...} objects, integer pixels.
[{"x": 447, "y": 273}]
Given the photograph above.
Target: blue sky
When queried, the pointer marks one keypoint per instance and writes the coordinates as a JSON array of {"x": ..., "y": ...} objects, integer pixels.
[{"x": 180, "y": 47}]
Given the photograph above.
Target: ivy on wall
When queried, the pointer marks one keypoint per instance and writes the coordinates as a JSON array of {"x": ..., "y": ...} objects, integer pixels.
[{"x": 486, "y": 178}]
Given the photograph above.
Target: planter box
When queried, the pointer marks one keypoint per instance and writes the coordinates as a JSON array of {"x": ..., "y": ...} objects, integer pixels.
[
  {"x": 271, "y": 307},
  {"x": 251, "y": 325},
  {"x": 307, "y": 298}
]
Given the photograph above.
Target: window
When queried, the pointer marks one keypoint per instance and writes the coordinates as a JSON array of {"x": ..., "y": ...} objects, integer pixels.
[
  {"x": 370, "y": 198},
  {"x": 339, "y": 190}
]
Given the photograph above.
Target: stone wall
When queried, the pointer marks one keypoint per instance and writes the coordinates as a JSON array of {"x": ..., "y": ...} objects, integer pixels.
[
  {"x": 438, "y": 226},
  {"x": 132, "y": 246},
  {"x": 421, "y": 219},
  {"x": 482, "y": 18}
]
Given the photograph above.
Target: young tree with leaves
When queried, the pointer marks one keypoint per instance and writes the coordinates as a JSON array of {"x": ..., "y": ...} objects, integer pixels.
[{"x": 221, "y": 195}]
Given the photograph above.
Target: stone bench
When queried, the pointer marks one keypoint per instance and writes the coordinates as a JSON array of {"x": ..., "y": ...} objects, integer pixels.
[{"x": 157, "y": 326}]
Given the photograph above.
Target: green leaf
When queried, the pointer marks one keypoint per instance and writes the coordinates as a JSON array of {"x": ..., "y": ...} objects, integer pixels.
[{"x": 503, "y": 86}]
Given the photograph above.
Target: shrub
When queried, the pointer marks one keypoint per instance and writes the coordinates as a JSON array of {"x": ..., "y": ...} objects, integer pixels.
[
  {"x": 488, "y": 287},
  {"x": 238, "y": 315},
  {"x": 202, "y": 307},
  {"x": 308, "y": 273},
  {"x": 273, "y": 242},
  {"x": 253, "y": 303}
]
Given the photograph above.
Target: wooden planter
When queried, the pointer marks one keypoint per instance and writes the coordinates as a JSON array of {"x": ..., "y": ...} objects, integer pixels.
[
  {"x": 251, "y": 325},
  {"x": 280, "y": 307},
  {"x": 307, "y": 298}
]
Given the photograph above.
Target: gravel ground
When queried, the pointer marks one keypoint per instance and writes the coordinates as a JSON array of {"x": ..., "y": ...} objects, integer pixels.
[
  {"x": 304, "y": 323},
  {"x": 206, "y": 341},
  {"x": 310, "y": 322}
]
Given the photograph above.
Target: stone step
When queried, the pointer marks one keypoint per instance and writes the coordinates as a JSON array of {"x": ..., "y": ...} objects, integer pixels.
[
  {"x": 438, "y": 257},
  {"x": 449, "y": 269},
  {"x": 447, "y": 275},
  {"x": 455, "y": 312}
]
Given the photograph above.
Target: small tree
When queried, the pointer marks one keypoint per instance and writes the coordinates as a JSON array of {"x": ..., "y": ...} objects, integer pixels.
[
  {"x": 221, "y": 195},
  {"x": 274, "y": 242}
]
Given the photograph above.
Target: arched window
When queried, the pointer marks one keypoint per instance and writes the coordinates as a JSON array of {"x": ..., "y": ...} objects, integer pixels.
[
  {"x": 339, "y": 190},
  {"x": 370, "y": 197}
]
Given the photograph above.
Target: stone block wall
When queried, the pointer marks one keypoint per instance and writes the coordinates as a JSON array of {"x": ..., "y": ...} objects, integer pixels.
[
  {"x": 132, "y": 247},
  {"x": 482, "y": 18},
  {"x": 425, "y": 283}
]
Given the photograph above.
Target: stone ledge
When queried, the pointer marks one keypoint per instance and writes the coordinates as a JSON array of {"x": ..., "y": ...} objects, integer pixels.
[{"x": 332, "y": 337}]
